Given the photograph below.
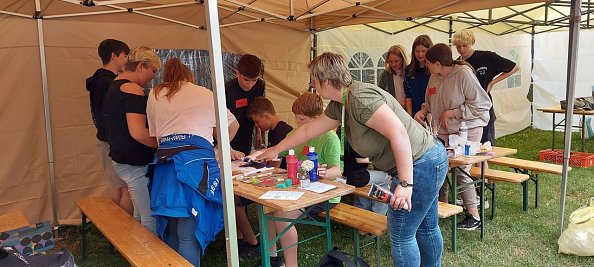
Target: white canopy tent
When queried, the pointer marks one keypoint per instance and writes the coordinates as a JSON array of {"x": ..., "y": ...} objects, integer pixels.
[{"x": 51, "y": 44}]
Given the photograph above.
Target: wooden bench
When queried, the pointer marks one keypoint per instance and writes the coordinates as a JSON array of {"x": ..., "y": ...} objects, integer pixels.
[
  {"x": 444, "y": 210},
  {"x": 137, "y": 244},
  {"x": 494, "y": 176},
  {"x": 529, "y": 167},
  {"x": 361, "y": 220},
  {"x": 13, "y": 220}
]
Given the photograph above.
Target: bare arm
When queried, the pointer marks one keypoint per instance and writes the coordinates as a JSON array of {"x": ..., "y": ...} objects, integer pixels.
[
  {"x": 329, "y": 173},
  {"x": 384, "y": 121},
  {"x": 308, "y": 131},
  {"x": 233, "y": 127},
  {"x": 501, "y": 77},
  {"x": 138, "y": 131},
  {"x": 408, "y": 106}
]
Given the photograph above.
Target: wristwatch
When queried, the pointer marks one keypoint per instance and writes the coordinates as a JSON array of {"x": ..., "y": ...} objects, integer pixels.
[{"x": 405, "y": 184}]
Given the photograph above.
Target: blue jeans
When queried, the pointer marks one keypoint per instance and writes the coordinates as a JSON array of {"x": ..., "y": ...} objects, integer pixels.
[
  {"x": 181, "y": 238},
  {"x": 135, "y": 178},
  {"x": 415, "y": 236},
  {"x": 381, "y": 179}
]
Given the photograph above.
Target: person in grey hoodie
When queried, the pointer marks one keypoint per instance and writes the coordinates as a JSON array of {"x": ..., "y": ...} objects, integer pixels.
[{"x": 454, "y": 95}]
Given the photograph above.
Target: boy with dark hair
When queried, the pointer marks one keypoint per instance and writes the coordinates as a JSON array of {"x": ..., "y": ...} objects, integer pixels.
[
  {"x": 240, "y": 93},
  {"x": 114, "y": 55},
  {"x": 262, "y": 112}
]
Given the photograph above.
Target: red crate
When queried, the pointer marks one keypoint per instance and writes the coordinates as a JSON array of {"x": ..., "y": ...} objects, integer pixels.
[{"x": 576, "y": 158}]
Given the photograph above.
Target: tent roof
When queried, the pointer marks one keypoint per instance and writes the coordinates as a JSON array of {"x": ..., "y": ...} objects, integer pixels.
[
  {"x": 312, "y": 15},
  {"x": 543, "y": 17}
]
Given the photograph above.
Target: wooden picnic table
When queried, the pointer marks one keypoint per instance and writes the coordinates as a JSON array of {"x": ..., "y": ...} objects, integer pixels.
[
  {"x": 458, "y": 162},
  {"x": 557, "y": 109},
  {"x": 12, "y": 220},
  {"x": 253, "y": 192}
]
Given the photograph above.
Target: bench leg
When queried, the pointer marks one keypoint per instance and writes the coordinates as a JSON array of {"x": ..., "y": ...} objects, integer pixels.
[
  {"x": 536, "y": 190},
  {"x": 357, "y": 245},
  {"x": 492, "y": 187},
  {"x": 525, "y": 196},
  {"x": 378, "y": 252},
  {"x": 83, "y": 229},
  {"x": 454, "y": 232}
]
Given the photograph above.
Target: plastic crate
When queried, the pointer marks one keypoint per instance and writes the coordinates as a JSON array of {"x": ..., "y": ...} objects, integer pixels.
[{"x": 576, "y": 158}]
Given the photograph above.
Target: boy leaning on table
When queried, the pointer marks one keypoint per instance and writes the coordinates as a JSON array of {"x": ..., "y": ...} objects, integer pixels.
[{"x": 306, "y": 108}]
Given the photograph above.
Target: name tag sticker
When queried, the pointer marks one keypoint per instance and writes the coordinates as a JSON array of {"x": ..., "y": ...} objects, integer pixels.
[
  {"x": 241, "y": 103},
  {"x": 432, "y": 91}
]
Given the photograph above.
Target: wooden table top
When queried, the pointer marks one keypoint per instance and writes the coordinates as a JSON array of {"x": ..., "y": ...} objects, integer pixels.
[
  {"x": 468, "y": 160},
  {"x": 558, "y": 109},
  {"x": 12, "y": 220},
  {"x": 253, "y": 192}
]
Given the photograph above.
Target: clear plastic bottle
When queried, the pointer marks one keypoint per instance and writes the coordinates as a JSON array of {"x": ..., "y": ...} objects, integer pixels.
[
  {"x": 292, "y": 167},
  {"x": 463, "y": 133},
  {"x": 313, "y": 156}
]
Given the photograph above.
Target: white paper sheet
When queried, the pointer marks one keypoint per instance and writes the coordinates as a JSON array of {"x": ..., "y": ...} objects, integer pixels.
[
  {"x": 282, "y": 195},
  {"x": 319, "y": 187}
]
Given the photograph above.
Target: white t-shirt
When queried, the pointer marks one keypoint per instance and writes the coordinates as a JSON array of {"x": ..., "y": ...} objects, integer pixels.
[{"x": 190, "y": 111}]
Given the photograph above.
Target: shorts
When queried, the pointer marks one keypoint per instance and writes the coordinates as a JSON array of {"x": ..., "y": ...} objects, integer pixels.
[{"x": 112, "y": 178}]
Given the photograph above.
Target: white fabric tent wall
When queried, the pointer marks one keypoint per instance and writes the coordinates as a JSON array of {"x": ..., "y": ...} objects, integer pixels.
[
  {"x": 512, "y": 106},
  {"x": 550, "y": 73}
]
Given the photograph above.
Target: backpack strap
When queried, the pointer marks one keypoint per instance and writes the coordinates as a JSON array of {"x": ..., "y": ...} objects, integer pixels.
[{"x": 343, "y": 257}]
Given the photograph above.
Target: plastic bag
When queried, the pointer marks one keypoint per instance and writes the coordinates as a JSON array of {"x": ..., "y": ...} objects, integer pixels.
[{"x": 578, "y": 239}]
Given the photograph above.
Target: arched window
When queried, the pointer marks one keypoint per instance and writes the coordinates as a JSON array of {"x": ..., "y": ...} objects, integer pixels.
[
  {"x": 381, "y": 65},
  {"x": 362, "y": 68}
]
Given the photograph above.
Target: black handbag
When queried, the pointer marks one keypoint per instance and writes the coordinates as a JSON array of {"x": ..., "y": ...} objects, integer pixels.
[
  {"x": 337, "y": 258},
  {"x": 585, "y": 103}
]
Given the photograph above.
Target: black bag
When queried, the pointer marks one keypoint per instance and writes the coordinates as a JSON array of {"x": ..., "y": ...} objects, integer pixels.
[
  {"x": 585, "y": 103},
  {"x": 337, "y": 258},
  {"x": 11, "y": 257}
]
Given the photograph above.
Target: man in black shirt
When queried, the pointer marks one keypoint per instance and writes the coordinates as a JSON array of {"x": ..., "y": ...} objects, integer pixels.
[
  {"x": 114, "y": 55},
  {"x": 262, "y": 112},
  {"x": 240, "y": 93},
  {"x": 490, "y": 69}
]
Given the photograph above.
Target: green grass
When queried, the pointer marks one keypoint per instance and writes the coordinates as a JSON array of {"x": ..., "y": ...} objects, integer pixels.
[{"x": 513, "y": 238}]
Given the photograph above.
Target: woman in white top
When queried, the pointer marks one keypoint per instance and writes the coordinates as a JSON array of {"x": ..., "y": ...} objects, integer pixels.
[
  {"x": 392, "y": 79},
  {"x": 185, "y": 189}
]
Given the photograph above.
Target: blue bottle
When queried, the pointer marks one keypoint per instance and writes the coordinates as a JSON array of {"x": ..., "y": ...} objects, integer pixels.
[{"x": 313, "y": 156}]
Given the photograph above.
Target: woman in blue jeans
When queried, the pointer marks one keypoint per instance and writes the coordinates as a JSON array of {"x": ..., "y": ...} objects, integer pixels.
[
  {"x": 185, "y": 183},
  {"x": 130, "y": 146},
  {"x": 376, "y": 126}
]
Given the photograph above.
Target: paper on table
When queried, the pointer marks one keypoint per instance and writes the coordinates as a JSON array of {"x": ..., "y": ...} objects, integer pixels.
[
  {"x": 282, "y": 195},
  {"x": 319, "y": 187}
]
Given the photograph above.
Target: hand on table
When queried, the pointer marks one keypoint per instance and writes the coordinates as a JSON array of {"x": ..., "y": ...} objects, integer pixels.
[
  {"x": 235, "y": 155},
  {"x": 267, "y": 154},
  {"x": 322, "y": 170}
]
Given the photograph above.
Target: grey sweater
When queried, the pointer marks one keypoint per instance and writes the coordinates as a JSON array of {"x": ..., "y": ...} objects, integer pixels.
[{"x": 462, "y": 92}]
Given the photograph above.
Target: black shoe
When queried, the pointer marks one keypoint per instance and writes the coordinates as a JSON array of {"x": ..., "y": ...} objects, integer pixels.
[
  {"x": 469, "y": 223},
  {"x": 274, "y": 262},
  {"x": 247, "y": 250}
]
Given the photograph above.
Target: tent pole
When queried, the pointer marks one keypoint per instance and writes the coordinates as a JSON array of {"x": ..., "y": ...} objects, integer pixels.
[
  {"x": 574, "y": 33},
  {"x": 218, "y": 83},
  {"x": 450, "y": 30},
  {"x": 46, "y": 111}
]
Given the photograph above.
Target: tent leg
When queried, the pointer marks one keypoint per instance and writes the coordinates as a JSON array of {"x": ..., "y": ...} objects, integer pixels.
[
  {"x": 574, "y": 32},
  {"x": 46, "y": 104}
]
